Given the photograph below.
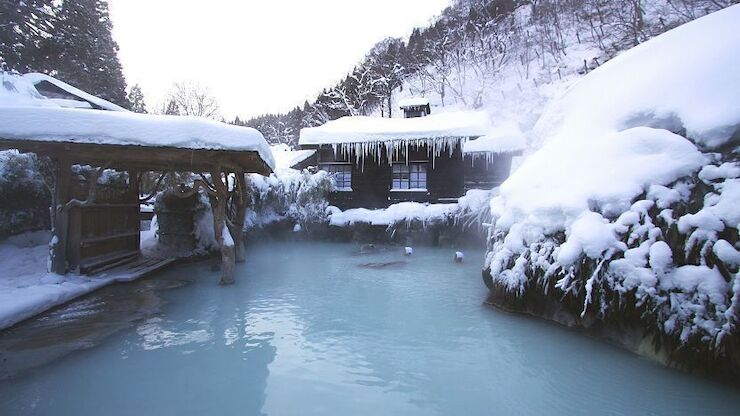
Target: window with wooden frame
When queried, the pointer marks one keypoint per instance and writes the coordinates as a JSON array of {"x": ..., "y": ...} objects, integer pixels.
[
  {"x": 409, "y": 177},
  {"x": 342, "y": 174}
]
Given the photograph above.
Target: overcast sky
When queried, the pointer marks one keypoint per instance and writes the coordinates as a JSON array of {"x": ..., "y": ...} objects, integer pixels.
[{"x": 255, "y": 56}]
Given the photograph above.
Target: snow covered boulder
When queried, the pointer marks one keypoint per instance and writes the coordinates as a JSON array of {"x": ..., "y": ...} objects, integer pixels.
[{"x": 628, "y": 212}]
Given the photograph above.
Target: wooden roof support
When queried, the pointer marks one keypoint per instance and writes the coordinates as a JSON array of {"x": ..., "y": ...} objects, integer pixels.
[
  {"x": 219, "y": 163},
  {"x": 228, "y": 253},
  {"x": 236, "y": 226},
  {"x": 232, "y": 249},
  {"x": 60, "y": 216},
  {"x": 145, "y": 158}
]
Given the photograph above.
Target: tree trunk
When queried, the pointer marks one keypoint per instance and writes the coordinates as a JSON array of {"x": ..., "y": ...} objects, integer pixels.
[{"x": 226, "y": 245}]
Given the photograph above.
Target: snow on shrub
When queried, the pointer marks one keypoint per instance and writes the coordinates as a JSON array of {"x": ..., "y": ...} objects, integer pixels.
[
  {"x": 288, "y": 194},
  {"x": 470, "y": 209},
  {"x": 628, "y": 211},
  {"x": 24, "y": 196}
]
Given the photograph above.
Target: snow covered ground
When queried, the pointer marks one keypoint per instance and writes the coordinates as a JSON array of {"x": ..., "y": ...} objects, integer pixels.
[{"x": 27, "y": 289}]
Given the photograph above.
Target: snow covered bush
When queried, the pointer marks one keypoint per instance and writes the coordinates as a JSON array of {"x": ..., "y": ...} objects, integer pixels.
[
  {"x": 300, "y": 197},
  {"x": 471, "y": 209},
  {"x": 628, "y": 213},
  {"x": 24, "y": 197}
]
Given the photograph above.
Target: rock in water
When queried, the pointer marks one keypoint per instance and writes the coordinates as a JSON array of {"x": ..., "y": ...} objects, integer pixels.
[
  {"x": 459, "y": 256},
  {"x": 366, "y": 248}
]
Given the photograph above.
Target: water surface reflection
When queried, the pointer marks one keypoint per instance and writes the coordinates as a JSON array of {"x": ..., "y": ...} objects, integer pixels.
[{"x": 308, "y": 329}]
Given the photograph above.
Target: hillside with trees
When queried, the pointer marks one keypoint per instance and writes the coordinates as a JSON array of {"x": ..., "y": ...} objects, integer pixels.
[{"x": 483, "y": 53}]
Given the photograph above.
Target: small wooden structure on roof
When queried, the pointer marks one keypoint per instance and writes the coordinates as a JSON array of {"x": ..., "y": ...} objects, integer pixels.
[
  {"x": 96, "y": 225},
  {"x": 415, "y": 107}
]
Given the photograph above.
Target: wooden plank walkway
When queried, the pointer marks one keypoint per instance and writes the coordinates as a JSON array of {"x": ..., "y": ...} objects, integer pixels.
[{"x": 132, "y": 270}]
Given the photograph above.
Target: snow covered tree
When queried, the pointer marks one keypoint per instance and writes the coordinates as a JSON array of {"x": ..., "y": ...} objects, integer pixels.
[
  {"x": 386, "y": 70},
  {"x": 136, "y": 98},
  {"x": 86, "y": 54},
  {"x": 25, "y": 27},
  {"x": 170, "y": 108}
]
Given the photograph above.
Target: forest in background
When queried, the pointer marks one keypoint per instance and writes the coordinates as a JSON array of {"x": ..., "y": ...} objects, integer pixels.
[
  {"x": 460, "y": 58},
  {"x": 462, "y": 55}
]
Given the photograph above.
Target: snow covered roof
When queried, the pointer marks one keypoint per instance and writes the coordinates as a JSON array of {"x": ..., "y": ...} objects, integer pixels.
[
  {"x": 501, "y": 139},
  {"x": 286, "y": 158},
  {"x": 413, "y": 102},
  {"x": 36, "y": 78},
  {"x": 28, "y": 116},
  {"x": 361, "y": 129}
]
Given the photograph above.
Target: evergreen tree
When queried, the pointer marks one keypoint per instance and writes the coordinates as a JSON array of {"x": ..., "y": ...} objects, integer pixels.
[
  {"x": 86, "y": 54},
  {"x": 24, "y": 27},
  {"x": 136, "y": 100},
  {"x": 171, "y": 108}
]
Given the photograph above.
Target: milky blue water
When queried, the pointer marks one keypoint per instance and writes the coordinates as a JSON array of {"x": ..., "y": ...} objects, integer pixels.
[{"x": 320, "y": 329}]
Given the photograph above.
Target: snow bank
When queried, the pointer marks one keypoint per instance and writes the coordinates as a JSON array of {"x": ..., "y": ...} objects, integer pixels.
[
  {"x": 625, "y": 208},
  {"x": 26, "y": 115},
  {"x": 565, "y": 178},
  {"x": 604, "y": 142},
  {"x": 360, "y": 129},
  {"x": 685, "y": 79}
]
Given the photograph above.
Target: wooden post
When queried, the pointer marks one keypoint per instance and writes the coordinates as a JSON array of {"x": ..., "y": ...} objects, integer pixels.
[
  {"x": 237, "y": 228},
  {"x": 225, "y": 243},
  {"x": 218, "y": 193},
  {"x": 58, "y": 244}
]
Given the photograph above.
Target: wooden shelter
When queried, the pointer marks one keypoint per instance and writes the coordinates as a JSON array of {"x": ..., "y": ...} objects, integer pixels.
[{"x": 96, "y": 226}]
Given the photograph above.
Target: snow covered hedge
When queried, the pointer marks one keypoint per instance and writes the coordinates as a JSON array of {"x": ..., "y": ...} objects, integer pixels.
[
  {"x": 298, "y": 200},
  {"x": 628, "y": 213},
  {"x": 24, "y": 196},
  {"x": 471, "y": 209},
  {"x": 300, "y": 197}
]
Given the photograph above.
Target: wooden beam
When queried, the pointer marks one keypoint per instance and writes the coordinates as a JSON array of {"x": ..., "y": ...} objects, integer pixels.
[{"x": 146, "y": 158}]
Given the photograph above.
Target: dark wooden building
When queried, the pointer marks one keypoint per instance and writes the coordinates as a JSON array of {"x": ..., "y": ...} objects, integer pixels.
[{"x": 377, "y": 162}]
